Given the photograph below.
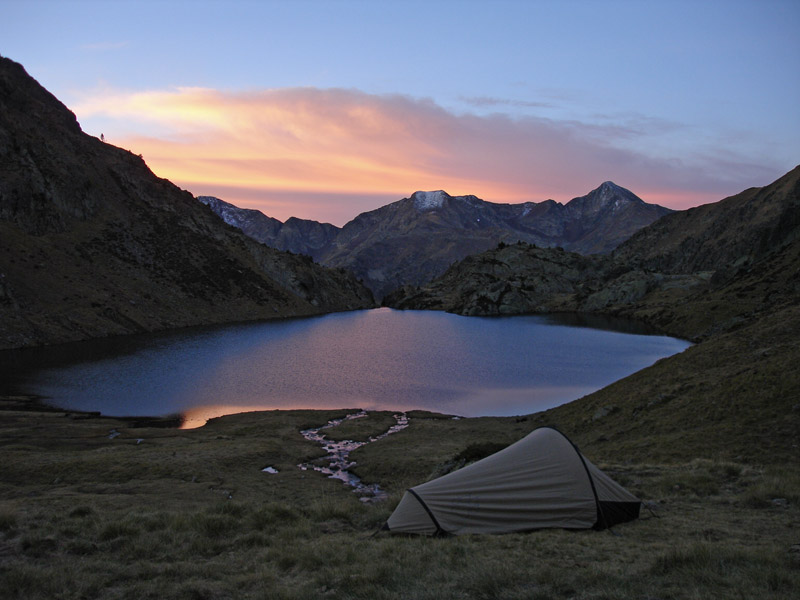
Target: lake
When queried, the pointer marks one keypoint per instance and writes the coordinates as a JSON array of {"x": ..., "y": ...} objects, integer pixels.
[{"x": 379, "y": 359}]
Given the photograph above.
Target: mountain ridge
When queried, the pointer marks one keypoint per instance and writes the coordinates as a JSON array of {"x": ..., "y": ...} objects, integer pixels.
[
  {"x": 412, "y": 240},
  {"x": 704, "y": 257},
  {"x": 736, "y": 231}
]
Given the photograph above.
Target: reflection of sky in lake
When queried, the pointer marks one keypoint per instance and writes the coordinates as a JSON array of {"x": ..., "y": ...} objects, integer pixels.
[{"x": 377, "y": 359}]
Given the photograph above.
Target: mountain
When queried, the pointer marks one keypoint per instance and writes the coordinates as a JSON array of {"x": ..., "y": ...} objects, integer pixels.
[
  {"x": 92, "y": 243},
  {"x": 300, "y": 236},
  {"x": 724, "y": 275},
  {"x": 732, "y": 233},
  {"x": 693, "y": 273},
  {"x": 413, "y": 240}
]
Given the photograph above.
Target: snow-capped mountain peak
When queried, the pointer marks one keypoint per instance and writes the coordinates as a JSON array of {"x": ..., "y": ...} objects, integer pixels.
[{"x": 429, "y": 200}]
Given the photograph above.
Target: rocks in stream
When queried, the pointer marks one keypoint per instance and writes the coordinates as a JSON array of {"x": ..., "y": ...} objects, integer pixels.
[{"x": 337, "y": 461}]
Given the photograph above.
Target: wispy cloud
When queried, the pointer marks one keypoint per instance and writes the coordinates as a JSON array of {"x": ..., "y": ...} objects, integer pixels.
[
  {"x": 491, "y": 102},
  {"x": 305, "y": 151}
]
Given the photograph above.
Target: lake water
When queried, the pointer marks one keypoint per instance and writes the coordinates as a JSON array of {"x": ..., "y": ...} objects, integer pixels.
[{"x": 378, "y": 359}]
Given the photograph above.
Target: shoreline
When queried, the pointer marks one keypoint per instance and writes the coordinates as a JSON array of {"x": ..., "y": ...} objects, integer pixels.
[
  {"x": 32, "y": 403},
  {"x": 525, "y": 394}
]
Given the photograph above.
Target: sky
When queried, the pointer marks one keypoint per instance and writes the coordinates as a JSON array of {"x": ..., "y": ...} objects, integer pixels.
[{"x": 326, "y": 109}]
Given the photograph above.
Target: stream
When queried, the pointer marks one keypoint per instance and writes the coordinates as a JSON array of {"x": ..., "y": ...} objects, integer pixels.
[{"x": 338, "y": 457}]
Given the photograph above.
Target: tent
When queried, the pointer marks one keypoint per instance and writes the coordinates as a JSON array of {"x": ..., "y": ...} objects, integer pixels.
[{"x": 540, "y": 481}]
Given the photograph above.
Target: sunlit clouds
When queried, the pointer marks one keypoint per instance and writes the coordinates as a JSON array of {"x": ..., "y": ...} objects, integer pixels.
[{"x": 329, "y": 154}]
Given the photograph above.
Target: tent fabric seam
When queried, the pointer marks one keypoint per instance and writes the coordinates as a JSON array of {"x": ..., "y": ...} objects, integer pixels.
[
  {"x": 601, "y": 520},
  {"x": 427, "y": 510}
]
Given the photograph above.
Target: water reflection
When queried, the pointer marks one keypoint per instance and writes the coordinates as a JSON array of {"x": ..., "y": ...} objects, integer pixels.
[
  {"x": 376, "y": 360},
  {"x": 197, "y": 416}
]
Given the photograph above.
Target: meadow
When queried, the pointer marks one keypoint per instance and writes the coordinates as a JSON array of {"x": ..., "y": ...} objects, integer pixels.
[{"x": 94, "y": 507}]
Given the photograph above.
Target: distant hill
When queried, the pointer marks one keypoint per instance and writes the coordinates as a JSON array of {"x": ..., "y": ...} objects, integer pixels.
[
  {"x": 92, "y": 243},
  {"x": 733, "y": 233},
  {"x": 413, "y": 240}
]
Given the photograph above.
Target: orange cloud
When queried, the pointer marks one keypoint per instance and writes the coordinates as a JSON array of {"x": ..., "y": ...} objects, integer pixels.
[{"x": 304, "y": 151}]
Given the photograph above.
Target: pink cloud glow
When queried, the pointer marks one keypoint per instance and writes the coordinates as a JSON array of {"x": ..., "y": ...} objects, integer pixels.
[{"x": 329, "y": 154}]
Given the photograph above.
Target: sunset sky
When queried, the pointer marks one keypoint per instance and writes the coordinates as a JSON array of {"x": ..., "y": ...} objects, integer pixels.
[{"x": 323, "y": 110}]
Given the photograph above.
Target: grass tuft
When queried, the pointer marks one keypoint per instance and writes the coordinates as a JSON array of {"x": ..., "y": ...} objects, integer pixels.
[
  {"x": 26, "y": 581},
  {"x": 232, "y": 509},
  {"x": 275, "y": 514},
  {"x": 8, "y": 522},
  {"x": 81, "y": 511},
  {"x": 118, "y": 529},
  {"x": 214, "y": 526},
  {"x": 776, "y": 487},
  {"x": 38, "y": 545}
]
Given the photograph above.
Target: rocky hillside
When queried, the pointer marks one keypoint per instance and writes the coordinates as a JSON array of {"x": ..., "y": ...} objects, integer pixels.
[
  {"x": 692, "y": 273},
  {"x": 300, "y": 236},
  {"x": 726, "y": 275},
  {"x": 93, "y": 244},
  {"x": 411, "y": 241}
]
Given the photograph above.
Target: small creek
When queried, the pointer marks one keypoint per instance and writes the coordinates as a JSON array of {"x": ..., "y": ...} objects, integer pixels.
[{"x": 338, "y": 458}]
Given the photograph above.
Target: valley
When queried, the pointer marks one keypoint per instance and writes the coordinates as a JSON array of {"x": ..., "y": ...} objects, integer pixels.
[{"x": 93, "y": 244}]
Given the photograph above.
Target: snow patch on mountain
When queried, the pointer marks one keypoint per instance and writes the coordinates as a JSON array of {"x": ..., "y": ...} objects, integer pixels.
[
  {"x": 429, "y": 200},
  {"x": 227, "y": 212}
]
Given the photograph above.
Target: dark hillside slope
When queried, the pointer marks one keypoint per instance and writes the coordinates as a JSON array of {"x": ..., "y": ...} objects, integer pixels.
[
  {"x": 732, "y": 298},
  {"x": 743, "y": 253},
  {"x": 93, "y": 244},
  {"x": 723, "y": 236}
]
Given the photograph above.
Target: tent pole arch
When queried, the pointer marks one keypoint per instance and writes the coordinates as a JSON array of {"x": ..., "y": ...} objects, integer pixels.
[
  {"x": 439, "y": 530},
  {"x": 601, "y": 519}
]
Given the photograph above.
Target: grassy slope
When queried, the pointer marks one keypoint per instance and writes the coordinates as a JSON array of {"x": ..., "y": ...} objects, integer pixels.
[
  {"x": 190, "y": 514},
  {"x": 735, "y": 396}
]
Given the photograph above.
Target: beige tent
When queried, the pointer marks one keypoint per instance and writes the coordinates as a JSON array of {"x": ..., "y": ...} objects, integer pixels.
[{"x": 540, "y": 481}]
